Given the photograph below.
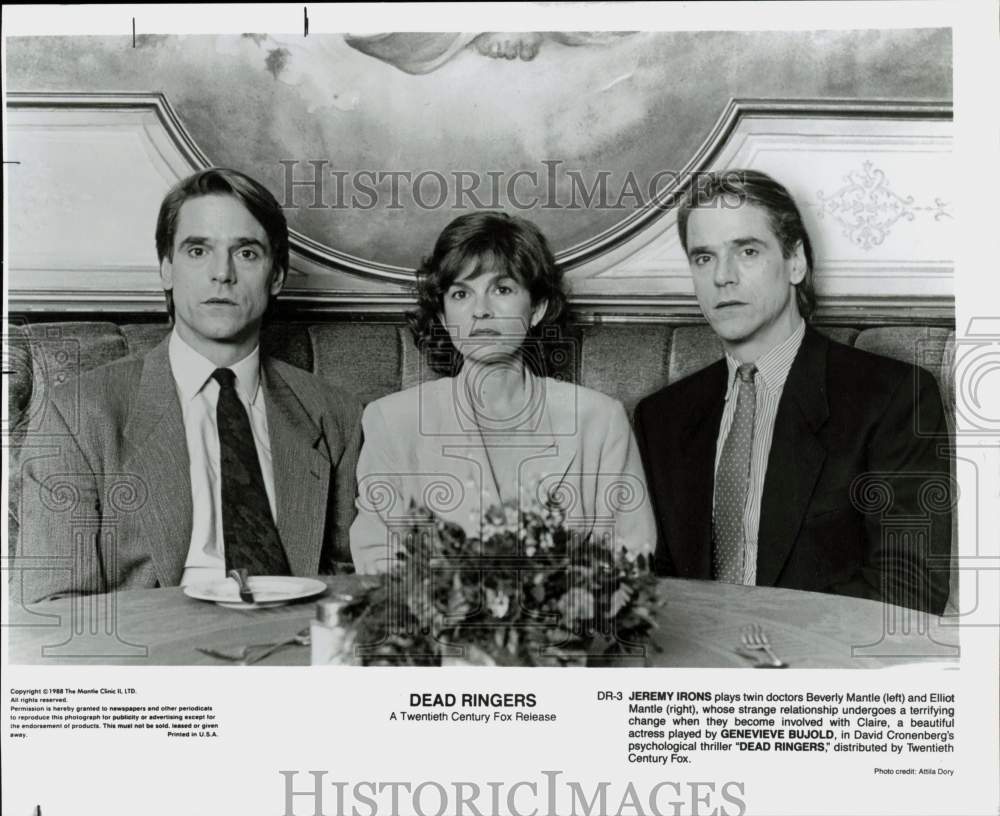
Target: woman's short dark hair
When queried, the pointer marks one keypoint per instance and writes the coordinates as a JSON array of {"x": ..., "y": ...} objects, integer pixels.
[
  {"x": 733, "y": 188},
  {"x": 496, "y": 241},
  {"x": 258, "y": 200}
]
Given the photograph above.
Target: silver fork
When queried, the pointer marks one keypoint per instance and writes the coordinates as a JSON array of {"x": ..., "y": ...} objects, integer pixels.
[
  {"x": 242, "y": 578},
  {"x": 755, "y": 639},
  {"x": 255, "y": 652}
]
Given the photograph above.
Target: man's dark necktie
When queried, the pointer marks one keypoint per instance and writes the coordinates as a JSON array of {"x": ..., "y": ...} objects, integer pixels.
[
  {"x": 249, "y": 533},
  {"x": 732, "y": 482}
]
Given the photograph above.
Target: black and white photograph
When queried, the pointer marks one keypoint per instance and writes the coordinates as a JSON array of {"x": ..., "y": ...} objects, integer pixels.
[{"x": 506, "y": 400}]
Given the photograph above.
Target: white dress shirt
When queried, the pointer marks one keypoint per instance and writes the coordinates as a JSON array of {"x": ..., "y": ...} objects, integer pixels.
[
  {"x": 199, "y": 394},
  {"x": 772, "y": 371}
]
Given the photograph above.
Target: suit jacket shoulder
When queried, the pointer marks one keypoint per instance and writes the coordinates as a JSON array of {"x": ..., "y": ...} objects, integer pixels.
[
  {"x": 704, "y": 385},
  {"x": 578, "y": 409},
  {"x": 869, "y": 372},
  {"x": 110, "y": 385},
  {"x": 566, "y": 402},
  {"x": 316, "y": 395},
  {"x": 569, "y": 410},
  {"x": 854, "y": 388},
  {"x": 589, "y": 400},
  {"x": 94, "y": 406},
  {"x": 401, "y": 404}
]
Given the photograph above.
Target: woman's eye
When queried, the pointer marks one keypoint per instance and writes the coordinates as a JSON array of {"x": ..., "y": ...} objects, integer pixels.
[
  {"x": 503, "y": 289},
  {"x": 457, "y": 294}
]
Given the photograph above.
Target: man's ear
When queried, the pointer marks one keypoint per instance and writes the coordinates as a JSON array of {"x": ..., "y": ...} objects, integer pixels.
[
  {"x": 538, "y": 312},
  {"x": 798, "y": 265},
  {"x": 166, "y": 274},
  {"x": 279, "y": 281}
]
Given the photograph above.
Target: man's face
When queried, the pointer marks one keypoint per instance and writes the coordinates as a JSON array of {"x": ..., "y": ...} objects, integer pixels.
[
  {"x": 221, "y": 275},
  {"x": 745, "y": 288}
]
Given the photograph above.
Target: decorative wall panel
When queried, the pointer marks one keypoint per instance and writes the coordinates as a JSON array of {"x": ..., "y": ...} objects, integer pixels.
[
  {"x": 102, "y": 125},
  {"x": 875, "y": 186}
]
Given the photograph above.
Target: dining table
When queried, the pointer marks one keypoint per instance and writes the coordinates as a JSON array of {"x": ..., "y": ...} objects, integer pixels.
[{"x": 698, "y": 624}]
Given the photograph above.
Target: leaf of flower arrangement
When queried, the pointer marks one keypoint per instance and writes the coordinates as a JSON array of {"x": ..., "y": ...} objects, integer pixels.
[
  {"x": 577, "y": 604},
  {"x": 620, "y": 599},
  {"x": 528, "y": 591},
  {"x": 458, "y": 604},
  {"x": 601, "y": 644},
  {"x": 642, "y": 612},
  {"x": 452, "y": 537},
  {"x": 513, "y": 641},
  {"x": 473, "y": 655},
  {"x": 497, "y": 602},
  {"x": 420, "y": 604},
  {"x": 558, "y": 635}
]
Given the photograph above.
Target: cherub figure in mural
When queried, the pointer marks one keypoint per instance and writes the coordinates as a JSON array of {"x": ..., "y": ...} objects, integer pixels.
[{"x": 421, "y": 53}]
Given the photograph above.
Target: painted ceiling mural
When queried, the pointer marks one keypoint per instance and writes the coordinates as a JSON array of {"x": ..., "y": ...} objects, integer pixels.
[{"x": 409, "y": 130}]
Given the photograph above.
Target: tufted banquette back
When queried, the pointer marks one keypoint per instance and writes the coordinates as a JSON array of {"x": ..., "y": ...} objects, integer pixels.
[
  {"x": 626, "y": 360},
  {"x": 372, "y": 358}
]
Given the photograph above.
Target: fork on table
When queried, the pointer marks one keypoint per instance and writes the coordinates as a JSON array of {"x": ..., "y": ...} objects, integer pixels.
[
  {"x": 255, "y": 652},
  {"x": 755, "y": 639}
]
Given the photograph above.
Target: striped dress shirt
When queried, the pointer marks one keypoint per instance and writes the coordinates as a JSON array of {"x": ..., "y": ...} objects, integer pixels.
[{"x": 772, "y": 371}]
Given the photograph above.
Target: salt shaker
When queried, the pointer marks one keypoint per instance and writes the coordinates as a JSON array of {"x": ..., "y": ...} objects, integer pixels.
[{"x": 330, "y": 641}]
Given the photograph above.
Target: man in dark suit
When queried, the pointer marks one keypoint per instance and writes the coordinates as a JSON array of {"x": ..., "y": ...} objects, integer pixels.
[
  {"x": 203, "y": 455},
  {"x": 795, "y": 461}
]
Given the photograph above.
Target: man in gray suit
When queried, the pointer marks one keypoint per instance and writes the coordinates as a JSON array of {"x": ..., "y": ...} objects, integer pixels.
[{"x": 203, "y": 455}]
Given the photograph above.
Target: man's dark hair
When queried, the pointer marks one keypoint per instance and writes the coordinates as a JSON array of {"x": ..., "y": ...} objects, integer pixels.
[
  {"x": 733, "y": 188},
  {"x": 258, "y": 200},
  {"x": 498, "y": 242}
]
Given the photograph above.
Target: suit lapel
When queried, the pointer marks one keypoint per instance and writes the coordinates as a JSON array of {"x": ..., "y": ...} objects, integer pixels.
[
  {"x": 551, "y": 452},
  {"x": 691, "y": 546},
  {"x": 796, "y": 457},
  {"x": 301, "y": 472},
  {"x": 157, "y": 455},
  {"x": 449, "y": 426}
]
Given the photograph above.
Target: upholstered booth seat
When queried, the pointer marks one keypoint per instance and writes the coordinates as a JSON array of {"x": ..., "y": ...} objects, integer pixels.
[{"x": 372, "y": 358}]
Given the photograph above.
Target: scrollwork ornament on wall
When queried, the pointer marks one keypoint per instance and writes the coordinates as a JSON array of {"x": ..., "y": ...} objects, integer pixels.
[{"x": 868, "y": 208}]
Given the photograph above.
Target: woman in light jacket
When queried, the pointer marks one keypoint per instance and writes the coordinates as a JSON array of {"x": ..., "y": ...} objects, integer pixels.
[{"x": 495, "y": 429}]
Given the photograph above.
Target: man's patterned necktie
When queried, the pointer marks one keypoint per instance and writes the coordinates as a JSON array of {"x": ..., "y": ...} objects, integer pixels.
[
  {"x": 248, "y": 529},
  {"x": 732, "y": 482}
]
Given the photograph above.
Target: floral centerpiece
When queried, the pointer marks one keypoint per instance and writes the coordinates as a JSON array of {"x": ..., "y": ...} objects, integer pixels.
[{"x": 524, "y": 590}]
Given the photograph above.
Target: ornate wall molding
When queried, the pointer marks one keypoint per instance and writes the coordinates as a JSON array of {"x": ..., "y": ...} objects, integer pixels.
[
  {"x": 873, "y": 181},
  {"x": 712, "y": 152},
  {"x": 867, "y": 207},
  {"x": 153, "y": 114},
  {"x": 869, "y": 174}
]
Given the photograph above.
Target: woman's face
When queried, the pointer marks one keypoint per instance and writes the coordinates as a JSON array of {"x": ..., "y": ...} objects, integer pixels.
[{"x": 488, "y": 313}]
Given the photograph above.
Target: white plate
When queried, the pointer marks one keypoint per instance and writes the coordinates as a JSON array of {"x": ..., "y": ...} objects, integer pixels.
[{"x": 268, "y": 590}]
